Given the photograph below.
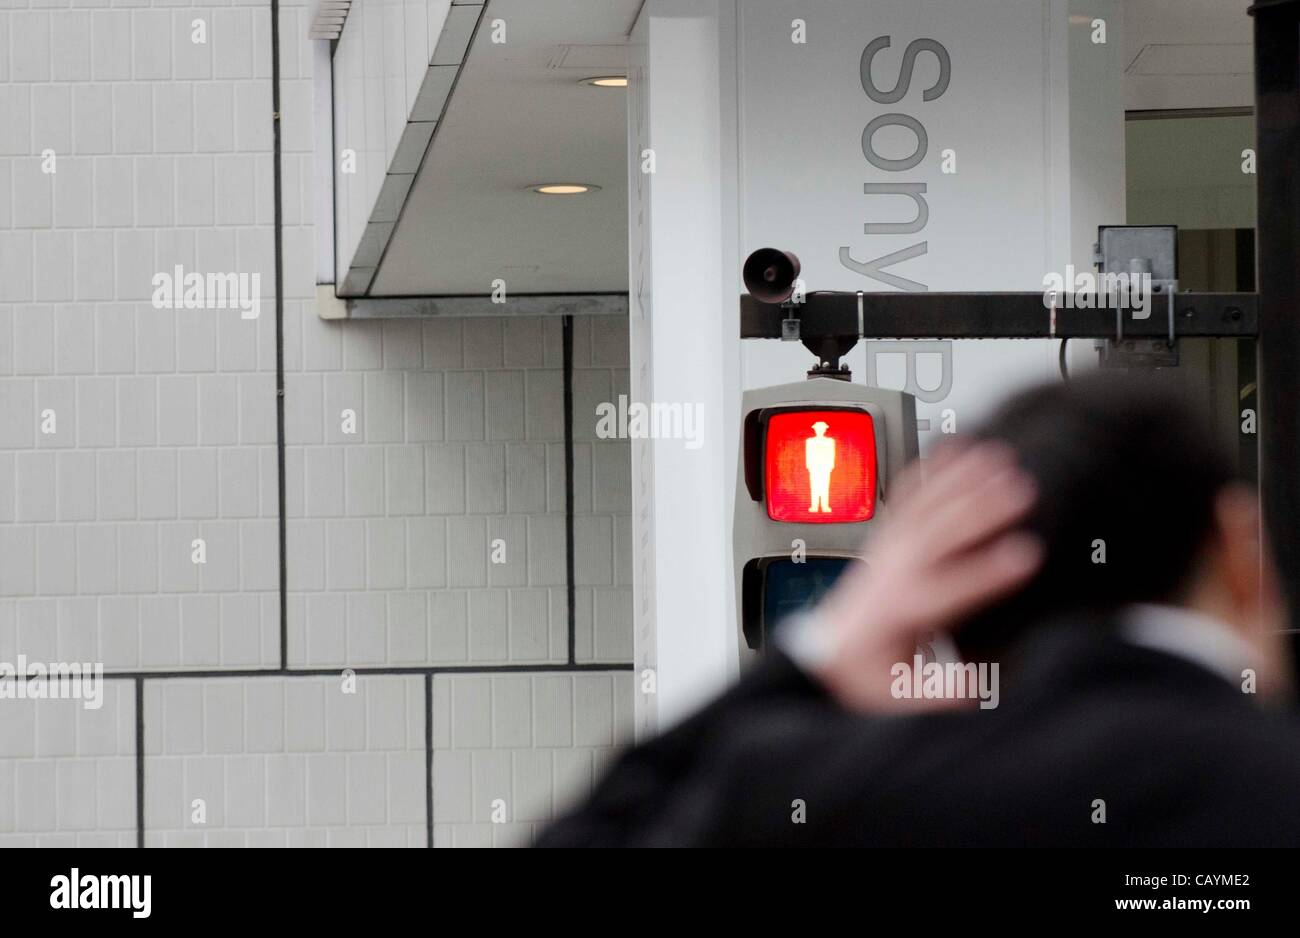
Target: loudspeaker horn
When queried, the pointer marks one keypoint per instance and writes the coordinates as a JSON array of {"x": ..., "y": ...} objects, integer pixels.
[{"x": 770, "y": 274}]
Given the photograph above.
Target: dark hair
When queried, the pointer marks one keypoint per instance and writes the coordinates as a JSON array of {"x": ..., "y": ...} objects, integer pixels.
[{"x": 1122, "y": 465}]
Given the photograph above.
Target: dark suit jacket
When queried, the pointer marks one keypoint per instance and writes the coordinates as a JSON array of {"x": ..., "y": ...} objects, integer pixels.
[{"x": 1178, "y": 755}]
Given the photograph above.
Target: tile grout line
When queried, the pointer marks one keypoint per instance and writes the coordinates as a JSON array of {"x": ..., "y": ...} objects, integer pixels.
[
  {"x": 371, "y": 671},
  {"x": 570, "y": 590},
  {"x": 428, "y": 760},
  {"x": 139, "y": 762},
  {"x": 278, "y": 235}
]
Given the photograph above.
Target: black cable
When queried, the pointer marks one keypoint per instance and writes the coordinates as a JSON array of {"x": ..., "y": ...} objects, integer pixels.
[{"x": 1061, "y": 363}]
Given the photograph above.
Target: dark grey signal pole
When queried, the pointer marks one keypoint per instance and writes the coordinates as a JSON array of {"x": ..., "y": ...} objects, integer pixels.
[{"x": 1277, "y": 181}]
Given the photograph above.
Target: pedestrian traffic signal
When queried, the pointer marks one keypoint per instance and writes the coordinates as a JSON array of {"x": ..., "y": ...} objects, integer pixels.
[
  {"x": 819, "y": 466},
  {"x": 816, "y": 461}
]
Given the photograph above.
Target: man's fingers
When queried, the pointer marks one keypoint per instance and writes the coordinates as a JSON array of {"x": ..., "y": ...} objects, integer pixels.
[
  {"x": 977, "y": 493},
  {"x": 982, "y": 510},
  {"x": 987, "y": 574},
  {"x": 912, "y": 479},
  {"x": 957, "y": 475},
  {"x": 908, "y": 484}
]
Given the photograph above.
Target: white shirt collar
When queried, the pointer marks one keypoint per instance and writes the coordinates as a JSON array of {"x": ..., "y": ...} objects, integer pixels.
[{"x": 1193, "y": 636}]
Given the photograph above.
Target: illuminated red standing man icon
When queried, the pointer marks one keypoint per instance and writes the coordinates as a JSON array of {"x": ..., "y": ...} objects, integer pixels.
[{"x": 819, "y": 459}]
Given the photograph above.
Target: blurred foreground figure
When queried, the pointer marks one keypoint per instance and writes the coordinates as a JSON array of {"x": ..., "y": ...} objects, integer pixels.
[{"x": 1102, "y": 576}]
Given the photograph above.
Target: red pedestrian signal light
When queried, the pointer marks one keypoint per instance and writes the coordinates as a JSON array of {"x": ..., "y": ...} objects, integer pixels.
[{"x": 819, "y": 466}]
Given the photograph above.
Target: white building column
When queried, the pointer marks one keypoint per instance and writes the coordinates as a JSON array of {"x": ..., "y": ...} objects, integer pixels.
[{"x": 684, "y": 324}]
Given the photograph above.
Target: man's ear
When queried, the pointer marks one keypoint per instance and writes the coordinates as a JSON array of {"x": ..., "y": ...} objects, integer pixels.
[
  {"x": 1248, "y": 575},
  {"x": 1237, "y": 529}
]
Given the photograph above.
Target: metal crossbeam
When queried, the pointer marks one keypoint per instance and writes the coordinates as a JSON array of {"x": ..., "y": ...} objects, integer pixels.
[{"x": 995, "y": 316}]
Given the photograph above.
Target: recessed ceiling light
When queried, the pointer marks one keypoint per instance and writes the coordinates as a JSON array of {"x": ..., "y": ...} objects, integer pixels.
[
  {"x": 563, "y": 188},
  {"x": 607, "y": 81}
]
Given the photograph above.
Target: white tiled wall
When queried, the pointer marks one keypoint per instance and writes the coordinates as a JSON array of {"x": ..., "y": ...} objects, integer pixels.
[
  {"x": 166, "y": 432},
  {"x": 67, "y": 774},
  {"x": 379, "y": 66},
  {"x": 164, "y": 419},
  {"x": 602, "y": 484},
  {"x": 511, "y": 750},
  {"x": 459, "y": 443},
  {"x": 285, "y": 762}
]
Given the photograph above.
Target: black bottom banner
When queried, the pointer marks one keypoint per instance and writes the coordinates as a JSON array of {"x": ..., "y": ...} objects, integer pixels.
[{"x": 205, "y": 888}]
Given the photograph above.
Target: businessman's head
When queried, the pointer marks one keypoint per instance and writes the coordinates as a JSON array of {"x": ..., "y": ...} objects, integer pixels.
[{"x": 1138, "y": 503}]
